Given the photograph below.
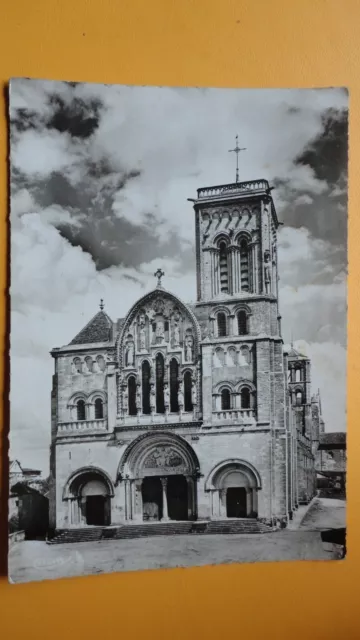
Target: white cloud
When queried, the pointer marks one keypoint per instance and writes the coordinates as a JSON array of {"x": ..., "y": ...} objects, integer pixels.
[
  {"x": 304, "y": 198},
  {"x": 179, "y": 140}
]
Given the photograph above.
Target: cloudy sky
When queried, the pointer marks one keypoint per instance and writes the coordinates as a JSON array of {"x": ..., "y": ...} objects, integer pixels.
[{"x": 100, "y": 177}]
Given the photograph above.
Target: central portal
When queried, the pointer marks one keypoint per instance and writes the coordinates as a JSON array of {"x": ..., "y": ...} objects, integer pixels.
[
  {"x": 152, "y": 496},
  {"x": 173, "y": 489},
  {"x": 177, "y": 496}
]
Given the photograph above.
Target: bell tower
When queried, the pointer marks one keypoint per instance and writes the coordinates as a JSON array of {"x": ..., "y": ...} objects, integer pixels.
[{"x": 236, "y": 241}]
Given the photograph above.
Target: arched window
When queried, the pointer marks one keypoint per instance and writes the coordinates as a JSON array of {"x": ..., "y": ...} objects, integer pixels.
[
  {"x": 299, "y": 398},
  {"x": 80, "y": 410},
  {"x": 221, "y": 324},
  {"x": 245, "y": 354},
  {"x": 188, "y": 405},
  {"x": 132, "y": 396},
  {"x": 245, "y": 398},
  {"x": 244, "y": 264},
  {"x": 242, "y": 322},
  {"x": 298, "y": 374},
  {"x": 174, "y": 386},
  {"x": 225, "y": 400},
  {"x": 77, "y": 365},
  {"x": 224, "y": 272},
  {"x": 231, "y": 357},
  {"x": 89, "y": 364},
  {"x": 219, "y": 358},
  {"x": 145, "y": 370},
  {"x": 160, "y": 371},
  {"x": 99, "y": 409},
  {"x": 100, "y": 362}
]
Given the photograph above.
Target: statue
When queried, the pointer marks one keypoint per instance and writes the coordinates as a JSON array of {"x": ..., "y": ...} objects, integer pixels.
[
  {"x": 160, "y": 329},
  {"x": 176, "y": 334},
  {"x": 125, "y": 400},
  {"x": 130, "y": 354},
  {"x": 142, "y": 337},
  {"x": 267, "y": 277},
  {"x": 166, "y": 394},
  {"x": 193, "y": 392},
  {"x": 180, "y": 397},
  {"x": 189, "y": 349},
  {"x": 142, "y": 319},
  {"x": 152, "y": 398}
]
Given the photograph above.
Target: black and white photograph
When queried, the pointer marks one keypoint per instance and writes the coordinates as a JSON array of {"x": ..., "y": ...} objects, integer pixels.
[{"x": 178, "y": 327}]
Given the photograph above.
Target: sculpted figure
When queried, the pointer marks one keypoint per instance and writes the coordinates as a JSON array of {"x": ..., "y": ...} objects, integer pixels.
[
  {"x": 189, "y": 349},
  {"x": 176, "y": 334},
  {"x": 142, "y": 338},
  {"x": 166, "y": 395},
  {"x": 130, "y": 354},
  {"x": 180, "y": 397},
  {"x": 160, "y": 332},
  {"x": 193, "y": 392}
]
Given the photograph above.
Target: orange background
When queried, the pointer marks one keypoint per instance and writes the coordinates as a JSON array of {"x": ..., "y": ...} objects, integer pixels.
[{"x": 235, "y": 43}]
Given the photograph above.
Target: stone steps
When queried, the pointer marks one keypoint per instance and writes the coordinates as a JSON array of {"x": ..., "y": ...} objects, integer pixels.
[{"x": 126, "y": 532}]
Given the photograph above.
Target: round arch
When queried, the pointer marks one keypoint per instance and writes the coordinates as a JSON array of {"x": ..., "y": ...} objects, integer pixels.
[
  {"x": 158, "y": 454},
  {"x": 216, "y": 480},
  {"x": 242, "y": 234},
  {"x": 149, "y": 297},
  {"x": 221, "y": 237},
  {"x": 80, "y": 477}
]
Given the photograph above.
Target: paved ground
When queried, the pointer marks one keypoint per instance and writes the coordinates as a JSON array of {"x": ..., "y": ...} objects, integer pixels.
[
  {"x": 39, "y": 561},
  {"x": 324, "y": 513}
]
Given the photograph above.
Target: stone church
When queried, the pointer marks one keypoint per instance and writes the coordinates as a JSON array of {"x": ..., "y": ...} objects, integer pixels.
[{"x": 189, "y": 411}]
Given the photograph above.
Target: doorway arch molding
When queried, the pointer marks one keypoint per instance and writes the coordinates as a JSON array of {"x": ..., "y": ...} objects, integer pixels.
[
  {"x": 216, "y": 480},
  {"x": 160, "y": 453},
  {"x": 80, "y": 477}
]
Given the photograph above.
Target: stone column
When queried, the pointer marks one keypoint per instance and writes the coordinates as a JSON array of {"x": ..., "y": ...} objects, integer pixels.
[
  {"x": 256, "y": 268},
  {"x": 222, "y": 507},
  {"x": 191, "y": 497},
  {"x": 111, "y": 409},
  {"x": 165, "y": 515},
  {"x": 248, "y": 501},
  {"x": 69, "y": 512},
  {"x": 138, "y": 504}
]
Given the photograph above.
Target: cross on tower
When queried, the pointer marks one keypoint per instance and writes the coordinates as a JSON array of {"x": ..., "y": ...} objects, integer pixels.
[
  {"x": 237, "y": 151},
  {"x": 101, "y": 305},
  {"x": 159, "y": 274}
]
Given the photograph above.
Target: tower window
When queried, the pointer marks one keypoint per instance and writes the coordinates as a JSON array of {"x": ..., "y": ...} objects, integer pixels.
[
  {"x": 225, "y": 400},
  {"x": 221, "y": 324},
  {"x": 99, "y": 409},
  {"x": 224, "y": 270},
  {"x": 245, "y": 398},
  {"x": 174, "y": 384},
  {"x": 188, "y": 405},
  {"x": 146, "y": 387},
  {"x": 132, "y": 396},
  {"x": 160, "y": 405},
  {"x": 244, "y": 265},
  {"x": 80, "y": 410},
  {"x": 299, "y": 398},
  {"x": 242, "y": 323},
  {"x": 298, "y": 375}
]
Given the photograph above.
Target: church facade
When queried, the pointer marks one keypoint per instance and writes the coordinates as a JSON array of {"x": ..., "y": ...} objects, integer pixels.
[{"x": 189, "y": 411}]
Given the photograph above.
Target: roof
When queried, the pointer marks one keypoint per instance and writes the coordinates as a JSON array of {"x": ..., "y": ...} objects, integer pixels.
[
  {"x": 293, "y": 353},
  {"x": 332, "y": 440},
  {"x": 99, "y": 329}
]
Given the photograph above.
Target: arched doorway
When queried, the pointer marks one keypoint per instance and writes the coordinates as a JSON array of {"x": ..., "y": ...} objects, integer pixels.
[
  {"x": 160, "y": 474},
  {"x": 88, "y": 492},
  {"x": 233, "y": 486},
  {"x": 95, "y": 503}
]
